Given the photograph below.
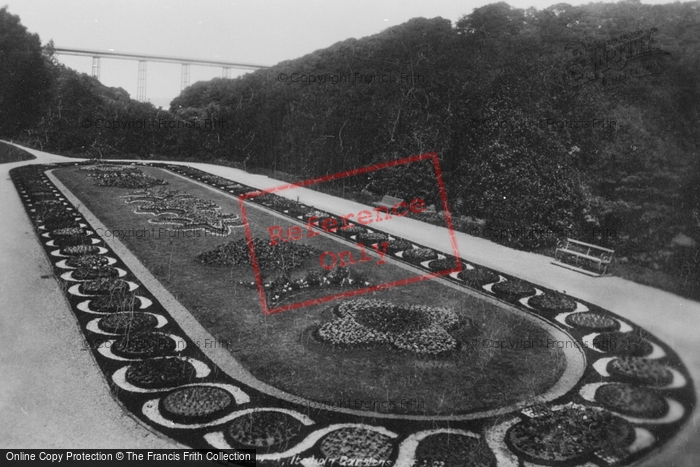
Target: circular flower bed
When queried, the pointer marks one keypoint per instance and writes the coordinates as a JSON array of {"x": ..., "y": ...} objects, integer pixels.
[
  {"x": 87, "y": 261},
  {"x": 453, "y": 450},
  {"x": 641, "y": 370},
  {"x": 143, "y": 345},
  {"x": 160, "y": 373},
  {"x": 370, "y": 238},
  {"x": 570, "y": 433},
  {"x": 478, "y": 276},
  {"x": 632, "y": 400},
  {"x": 443, "y": 264},
  {"x": 418, "y": 329},
  {"x": 105, "y": 285},
  {"x": 356, "y": 443},
  {"x": 592, "y": 320},
  {"x": 115, "y": 303},
  {"x": 264, "y": 429},
  {"x": 196, "y": 404},
  {"x": 86, "y": 274},
  {"x": 552, "y": 303},
  {"x": 394, "y": 246},
  {"x": 120, "y": 323},
  {"x": 80, "y": 250},
  {"x": 419, "y": 255},
  {"x": 513, "y": 290},
  {"x": 623, "y": 343}
]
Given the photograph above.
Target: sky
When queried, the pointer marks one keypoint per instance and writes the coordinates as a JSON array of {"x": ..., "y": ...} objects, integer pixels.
[{"x": 261, "y": 32}]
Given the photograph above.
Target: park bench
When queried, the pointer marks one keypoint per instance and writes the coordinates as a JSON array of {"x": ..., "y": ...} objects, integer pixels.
[
  {"x": 584, "y": 256},
  {"x": 388, "y": 202}
]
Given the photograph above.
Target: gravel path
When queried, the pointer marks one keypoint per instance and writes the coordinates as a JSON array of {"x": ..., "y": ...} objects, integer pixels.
[{"x": 70, "y": 412}]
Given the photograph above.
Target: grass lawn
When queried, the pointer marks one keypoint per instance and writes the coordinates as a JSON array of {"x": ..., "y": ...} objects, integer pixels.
[
  {"x": 10, "y": 153},
  {"x": 280, "y": 349}
]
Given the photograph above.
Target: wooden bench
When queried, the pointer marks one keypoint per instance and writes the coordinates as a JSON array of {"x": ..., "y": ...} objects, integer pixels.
[
  {"x": 584, "y": 254},
  {"x": 388, "y": 202}
]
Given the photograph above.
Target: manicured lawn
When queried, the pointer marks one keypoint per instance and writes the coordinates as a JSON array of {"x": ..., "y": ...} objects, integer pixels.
[{"x": 280, "y": 349}]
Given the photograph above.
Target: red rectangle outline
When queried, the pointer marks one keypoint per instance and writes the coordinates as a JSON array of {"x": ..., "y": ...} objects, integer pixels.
[{"x": 336, "y": 176}]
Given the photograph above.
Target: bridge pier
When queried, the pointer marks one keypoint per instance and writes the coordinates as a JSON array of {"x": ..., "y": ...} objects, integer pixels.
[
  {"x": 96, "y": 67},
  {"x": 185, "y": 76},
  {"x": 141, "y": 85}
]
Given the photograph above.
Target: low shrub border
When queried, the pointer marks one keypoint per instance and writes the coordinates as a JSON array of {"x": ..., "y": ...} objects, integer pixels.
[{"x": 191, "y": 368}]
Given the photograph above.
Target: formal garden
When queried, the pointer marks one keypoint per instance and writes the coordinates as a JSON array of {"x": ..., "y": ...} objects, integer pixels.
[{"x": 498, "y": 371}]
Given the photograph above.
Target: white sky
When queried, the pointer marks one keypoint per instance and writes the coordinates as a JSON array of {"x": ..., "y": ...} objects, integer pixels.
[{"x": 248, "y": 31}]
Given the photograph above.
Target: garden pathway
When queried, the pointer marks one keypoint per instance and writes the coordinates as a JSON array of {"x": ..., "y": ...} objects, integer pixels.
[{"x": 65, "y": 413}]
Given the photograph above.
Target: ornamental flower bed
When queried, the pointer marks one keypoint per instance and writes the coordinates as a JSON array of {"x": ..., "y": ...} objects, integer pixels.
[
  {"x": 552, "y": 303},
  {"x": 160, "y": 373},
  {"x": 394, "y": 246},
  {"x": 268, "y": 430},
  {"x": 371, "y": 238},
  {"x": 115, "y": 303},
  {"x": 80, "y": 250},
  {"x": 87, "y": 261},
  {"x": 68, "y": 231},
  {"x": 569, "y": 434},
  {"x": 419, "y": 255},
  {"x": 282, "y": 256},
  {"x": 443, "y": 264},
  {"x": 61, "y": 223},
  {"x": 357, "y": 443},
  {"x": 640, "y": 370},
  {"x": 633, "y": 401},
  {"x": 143, "y": 345},
  {"x": 72, "y": 240},
  {"x": 478, "y": 277},
  {"x": 513, "y": 290},
  {"x": 592, "y": 320},
  {"x": 623, "y": 343},
  {"x": 105, "y": 286},
  {"x": 131, "y": 180},
  {"x": 282, "y": 286},
  {"x": 86, "y": 274},
  {"x": 418, "y": 329},
  {"x": 120, "y": 323},
  {"x": 351, "y": 230},
  {"x": 196, "y": 404}
]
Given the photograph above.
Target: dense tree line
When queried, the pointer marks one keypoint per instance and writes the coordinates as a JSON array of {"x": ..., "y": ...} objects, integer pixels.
[{"x": 450, "y": 88}]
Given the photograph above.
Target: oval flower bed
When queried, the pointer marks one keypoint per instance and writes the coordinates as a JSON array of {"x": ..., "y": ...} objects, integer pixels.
[
  {"x": 513, "y": 291},
  {"x": 370, "y": 238},
  {"x": 119, "y": 323},
  {"x": 196, "y": 404},
  {"x": 419, "y": 255},
  {"x": 88, "y": 273},
  {"x": 478, "y": 276},
  {"x": 452, "y": 450},
  {"x": 418, "y": 329},
  {"x": 264, "y": 429},
  {"x": 65, "y": 241},
  {"x": 623, "y": 343},
  {"x": 160, "y": 373},
  {"x": 552, "y": 303},
  {"x": 356, "y": 443},
  {"x": 115, "y": 303},
  {"x": 640, "y": 370},
  {"x": 394, "y": 246},
  {"x": 80, "y": 250},
  {"x": 143, "y": 345},
  {"x": 103, "y": 286},
  {"x": 443, "y": 264},
  {"x": 592, "y": 320},
  {"x": 87, "y": 261},
  {"x": 631, "y": 400},
  {"x": 351, "y": 230}
]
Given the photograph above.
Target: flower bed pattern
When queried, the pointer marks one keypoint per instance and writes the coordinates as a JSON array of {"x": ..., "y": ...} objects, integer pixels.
[
  {"x": 418, "y": 329},
  {"x": 140, "y": 385}
]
